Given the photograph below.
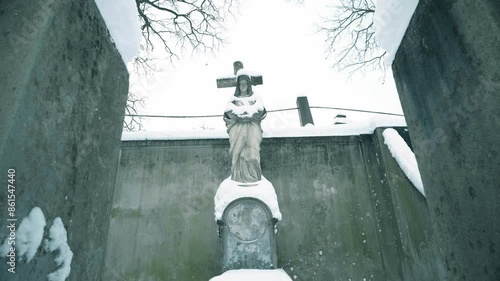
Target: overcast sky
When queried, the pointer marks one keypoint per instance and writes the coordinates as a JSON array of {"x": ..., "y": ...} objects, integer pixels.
[{"x": 279, "y": 40}]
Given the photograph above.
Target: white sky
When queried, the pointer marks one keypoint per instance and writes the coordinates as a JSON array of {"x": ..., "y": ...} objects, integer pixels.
[{"x": 279, "y": 40}]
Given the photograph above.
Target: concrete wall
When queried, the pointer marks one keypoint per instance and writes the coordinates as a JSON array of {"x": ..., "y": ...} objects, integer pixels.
[
  {"x": 447, "y": 72},
  {"x": 348, "y": 211},
  {"x": 63, "y": 90}
]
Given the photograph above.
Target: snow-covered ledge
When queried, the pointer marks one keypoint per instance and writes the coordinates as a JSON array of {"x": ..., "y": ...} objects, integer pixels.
[{"x": 404, "y": 156}]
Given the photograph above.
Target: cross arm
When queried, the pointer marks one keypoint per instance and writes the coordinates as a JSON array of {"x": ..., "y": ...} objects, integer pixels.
[{"x": 230, "y": 81}]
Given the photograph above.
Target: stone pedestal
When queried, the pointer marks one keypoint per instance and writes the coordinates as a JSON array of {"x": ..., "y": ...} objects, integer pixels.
[{"x": 247, "y": 232}]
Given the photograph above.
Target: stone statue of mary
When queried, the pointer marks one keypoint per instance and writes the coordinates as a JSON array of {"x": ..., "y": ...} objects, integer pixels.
[{"x": 243, "y": 115}]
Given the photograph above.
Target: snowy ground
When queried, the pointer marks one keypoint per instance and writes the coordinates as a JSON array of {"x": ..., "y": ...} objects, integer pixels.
[{"x": 253, "y": 275}]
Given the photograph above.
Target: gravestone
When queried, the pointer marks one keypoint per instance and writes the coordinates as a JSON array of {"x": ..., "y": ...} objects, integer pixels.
[{"x": 247, "y": 232}]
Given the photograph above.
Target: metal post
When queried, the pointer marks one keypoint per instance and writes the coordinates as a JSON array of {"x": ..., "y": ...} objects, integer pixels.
[{"x": 304, "y": 111}]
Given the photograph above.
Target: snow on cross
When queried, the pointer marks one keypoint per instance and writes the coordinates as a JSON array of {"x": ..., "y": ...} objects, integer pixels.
[{"x": 230, "y": 80}]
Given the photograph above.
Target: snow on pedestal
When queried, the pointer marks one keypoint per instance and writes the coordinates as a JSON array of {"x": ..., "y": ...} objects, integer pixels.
[
  {"x": 230, "y": 190},
  {"x": 253, "y": 274}
]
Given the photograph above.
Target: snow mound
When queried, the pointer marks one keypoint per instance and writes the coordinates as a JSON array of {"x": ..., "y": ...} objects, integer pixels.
[
  {"x": 29, "y": 236},
  {"x": 253, "y": 274},
  {"x": 58, "y": 240},
  {"x": 230, "y": 190}
]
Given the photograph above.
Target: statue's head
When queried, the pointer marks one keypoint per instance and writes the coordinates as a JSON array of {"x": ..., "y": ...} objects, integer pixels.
[{"x": 243, "y": 85}]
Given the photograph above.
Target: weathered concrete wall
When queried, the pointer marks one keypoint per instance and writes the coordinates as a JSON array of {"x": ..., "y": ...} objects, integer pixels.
[
  {"x": 447, "y": 72},
  {"x": 348, "y": 211},
  {"x": 418, "y": 255},
  {"x": 63, "y": 90},
  {"x": 162, "y": 223}
]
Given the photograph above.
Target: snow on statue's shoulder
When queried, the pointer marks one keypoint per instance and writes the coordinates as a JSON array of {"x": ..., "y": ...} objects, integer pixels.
[
  {"x": 245, "y": 106},
  {"x": 253, "y": 274},
  {"x": 230, "y": 190}
]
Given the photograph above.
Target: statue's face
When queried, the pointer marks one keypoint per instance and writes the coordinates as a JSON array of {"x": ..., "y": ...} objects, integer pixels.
[{"x": 243, "y": 86}]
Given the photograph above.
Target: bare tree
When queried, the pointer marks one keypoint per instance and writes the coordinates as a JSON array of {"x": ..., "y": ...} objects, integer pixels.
[
  {"x": 170, "y": 27},
  {"x": 182, "y": 24},
  {"x": 132, "y": 121},
  {"x": 350, "y": 36}
]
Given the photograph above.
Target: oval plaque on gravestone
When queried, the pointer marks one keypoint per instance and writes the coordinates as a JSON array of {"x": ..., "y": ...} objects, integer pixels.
[
  {"x": 247, "y": 223},
  {"x": 248, "y": 240}
]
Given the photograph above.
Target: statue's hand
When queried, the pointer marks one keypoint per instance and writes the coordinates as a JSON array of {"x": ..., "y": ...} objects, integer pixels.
[{"x": 242, "y": 118}]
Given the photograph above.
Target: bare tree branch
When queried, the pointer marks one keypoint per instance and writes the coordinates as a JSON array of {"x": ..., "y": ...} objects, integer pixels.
[
  {"x": 132, "y": 124},
  {"x": 170, "y": 27},
  {"x": 179, "y": 24},
  {"x": 350, "y": 37}
]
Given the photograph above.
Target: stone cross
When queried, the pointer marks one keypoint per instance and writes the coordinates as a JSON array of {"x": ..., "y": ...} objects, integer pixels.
[
  {"x": 302, "y": 102},
  {"x": 227, "y": 82}
]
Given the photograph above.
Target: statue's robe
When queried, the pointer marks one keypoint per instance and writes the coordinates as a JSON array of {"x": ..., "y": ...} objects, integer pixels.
[{"x": 243, "y": 117}]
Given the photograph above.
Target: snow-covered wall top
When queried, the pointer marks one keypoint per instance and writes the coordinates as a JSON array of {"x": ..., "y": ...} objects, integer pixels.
[
  {"x": 390, "y": 21},
  {"x": 353, "y": 129},
  {"x": 122, "y": 20}
]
